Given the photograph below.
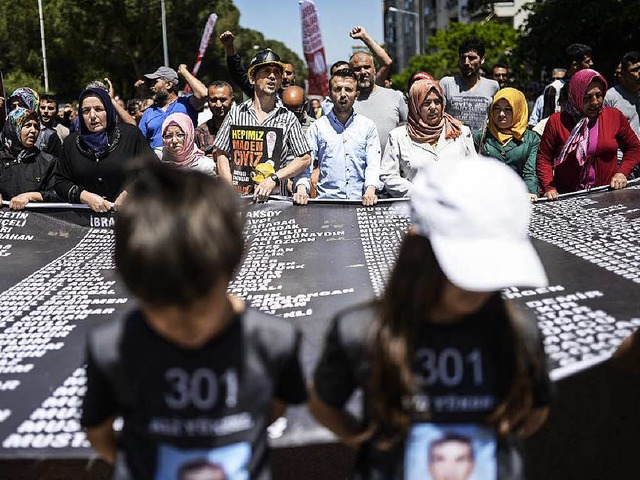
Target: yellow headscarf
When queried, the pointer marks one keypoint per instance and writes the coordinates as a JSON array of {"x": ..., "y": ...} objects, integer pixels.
[{"x": 520, "y": 115}]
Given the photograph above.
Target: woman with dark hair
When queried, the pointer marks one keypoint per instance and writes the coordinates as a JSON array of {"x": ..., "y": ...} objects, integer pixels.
[
  {"x": 430, "y": 135},
  {"x": 506, "y": 137},
  {"x": 91, "y": 167},
  {"x": 442, "y": 350},
  {"x": 579, "y": 147},
  {"x": 26, "y": 173}
]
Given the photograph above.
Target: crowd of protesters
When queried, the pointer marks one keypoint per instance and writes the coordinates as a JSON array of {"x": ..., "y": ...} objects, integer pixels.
[
  {"x": 575, "y": 134},
  {"x": 198, "y": 376}
]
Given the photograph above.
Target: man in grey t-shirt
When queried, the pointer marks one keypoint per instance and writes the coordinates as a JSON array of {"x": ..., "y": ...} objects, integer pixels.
[
  {"x": 624, "y": 96},
  {"x": 385, "y": 107},
  {"x": 469, "y": 95}
]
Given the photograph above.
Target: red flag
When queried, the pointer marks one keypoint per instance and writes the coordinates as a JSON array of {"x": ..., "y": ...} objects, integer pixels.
[
  {"x": 204, "y": 43},
  {"x": 313, "y": 49}
]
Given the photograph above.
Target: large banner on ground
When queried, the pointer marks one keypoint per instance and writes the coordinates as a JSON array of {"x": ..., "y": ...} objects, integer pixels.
[{"x": 301, "y": 263}]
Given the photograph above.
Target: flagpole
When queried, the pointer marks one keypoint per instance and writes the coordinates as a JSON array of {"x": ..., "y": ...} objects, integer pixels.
[
  {"x": 165, "y": 47},
  {"x": 44, "y": 47}
]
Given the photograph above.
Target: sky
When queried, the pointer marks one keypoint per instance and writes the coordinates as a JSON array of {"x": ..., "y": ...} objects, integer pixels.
[{"x": 280, "y": 20}]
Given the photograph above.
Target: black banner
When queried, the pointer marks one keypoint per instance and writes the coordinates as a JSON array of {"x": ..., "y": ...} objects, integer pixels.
[{"x": 303, "y": 264}]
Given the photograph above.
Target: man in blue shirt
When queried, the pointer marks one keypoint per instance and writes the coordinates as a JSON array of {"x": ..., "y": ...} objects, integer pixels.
[
  {"x": 346, "y": 145},
  {"x": 164, "y": 85}
]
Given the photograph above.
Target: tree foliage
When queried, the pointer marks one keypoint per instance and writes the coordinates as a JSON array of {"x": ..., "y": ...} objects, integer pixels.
[
  {"x": 442, "y": 59},
  {"x": 610, "y": 27},
  {"x": 119, "y": 39}
]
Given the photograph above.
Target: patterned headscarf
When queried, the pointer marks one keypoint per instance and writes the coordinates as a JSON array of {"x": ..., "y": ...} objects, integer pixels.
[
  {"x": 28, "y": 98},
  {"x": 417, "y": 127},
  {"x": 12, "y": 136},
  {"x": 190, "y": 152},
  {"x": 583, "y": 138},
  {"x": 518, "y": 104}
]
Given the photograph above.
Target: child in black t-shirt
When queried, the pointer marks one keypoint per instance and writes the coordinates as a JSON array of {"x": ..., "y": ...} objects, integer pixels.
[
  {"x": 195, "y": 375},
  {"x": 452, "y": 375}
]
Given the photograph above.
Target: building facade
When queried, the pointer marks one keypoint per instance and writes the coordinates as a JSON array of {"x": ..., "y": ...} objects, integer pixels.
[{"x": 408, "y": 24}]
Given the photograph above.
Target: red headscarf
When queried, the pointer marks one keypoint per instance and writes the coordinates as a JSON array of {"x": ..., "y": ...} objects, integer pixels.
[
  {"x": 578, "y": 140},
  {"x": 417, "y": 128}
]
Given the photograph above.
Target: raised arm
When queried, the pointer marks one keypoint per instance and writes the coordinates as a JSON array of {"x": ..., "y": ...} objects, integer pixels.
[
  {"x": 234, "y": 64},
  {"x": 122, "y": 112},
  {"x": 199, "y": 96},
  {"x": 383, "y": 58}
]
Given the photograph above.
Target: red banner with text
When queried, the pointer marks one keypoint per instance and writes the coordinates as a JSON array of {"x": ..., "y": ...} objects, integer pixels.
[{"x": 313, "y": 49}]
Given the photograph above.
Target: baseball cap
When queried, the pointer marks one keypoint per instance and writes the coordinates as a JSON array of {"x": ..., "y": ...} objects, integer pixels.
[
  {"x": 163, "y": 72},
  {"x": 476, "y": 212},
  {"x": 263, "y": 58}
]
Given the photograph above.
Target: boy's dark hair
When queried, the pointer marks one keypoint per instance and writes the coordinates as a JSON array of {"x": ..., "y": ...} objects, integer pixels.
[
  {"x": 499, "y": 65},
  {"x": 344, "y": 73},
  {"x": 220, "y": 84},
  {"x": 177, "y": 235},
  {"x": 337, "y": 64},
  {"x": 49, "y": 97},
  {"x": 451, "y": 437},
  {"x": 576, "y": 52},
  {"x": 628, "y": 58},
  {"x": 472, "y": 45}
]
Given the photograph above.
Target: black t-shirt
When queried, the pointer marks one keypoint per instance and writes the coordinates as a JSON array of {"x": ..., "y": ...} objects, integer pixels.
[
  {"x": 195, "y": 410},
  {"x": 462, "y": 372}
]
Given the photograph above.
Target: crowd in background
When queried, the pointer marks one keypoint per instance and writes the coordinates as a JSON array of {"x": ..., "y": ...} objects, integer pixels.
[
  {"x": 364, "y": 140},
  {"x": 442, "y": 359}
]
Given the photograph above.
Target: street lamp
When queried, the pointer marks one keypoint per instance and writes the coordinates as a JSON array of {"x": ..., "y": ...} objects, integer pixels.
[{"x": 417, "y": 25}]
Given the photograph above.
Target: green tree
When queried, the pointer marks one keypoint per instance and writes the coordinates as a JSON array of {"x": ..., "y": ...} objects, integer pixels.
[
  {"x": 121, "y": 39},
  {"x": 442, "y": 59},
  {"x": 18, "y": 78},
  {"x": 610, "y": 27}
]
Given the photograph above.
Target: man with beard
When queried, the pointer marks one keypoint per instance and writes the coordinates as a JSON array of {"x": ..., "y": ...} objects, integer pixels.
[
  {"x": 385, "y": 107},
  {"x": 500, "y": 73},
  {"x": 219, "y": 100},
  {"x": 49, "y": 115},
  {"x": 164, "y": 86},
  {"x": 469, "y": 95},
  {"x": 265, "y": 111},
  {"x": 346, "y": 146}
]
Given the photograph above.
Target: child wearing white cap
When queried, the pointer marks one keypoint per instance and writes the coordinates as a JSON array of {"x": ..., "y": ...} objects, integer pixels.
[{"x": 452, "y": 375}]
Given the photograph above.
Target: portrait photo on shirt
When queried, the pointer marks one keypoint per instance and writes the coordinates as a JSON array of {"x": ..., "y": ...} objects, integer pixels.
[
  {"x": 451, "y": 452},
  {"x": 223, "y": 463}
]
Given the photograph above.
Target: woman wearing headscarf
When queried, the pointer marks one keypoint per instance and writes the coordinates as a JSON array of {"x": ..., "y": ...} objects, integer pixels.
[
  {"x": 179, "y": 148},
  {"x": 91, "y": 169},
  {"x": 48, "y": 140},
  {"x": 507, "y": 138},
  {"x": 578, "y": 149},
  {"x": 26, "y": 173},
  {"x": 430, "y": 135}
]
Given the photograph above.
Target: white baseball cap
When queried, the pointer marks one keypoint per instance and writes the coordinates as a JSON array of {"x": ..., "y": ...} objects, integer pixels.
[{"x": 475, "y": 212}]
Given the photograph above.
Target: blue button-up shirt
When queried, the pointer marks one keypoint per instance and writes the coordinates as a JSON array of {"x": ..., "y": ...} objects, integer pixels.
[{"x": 348, "y": 155}]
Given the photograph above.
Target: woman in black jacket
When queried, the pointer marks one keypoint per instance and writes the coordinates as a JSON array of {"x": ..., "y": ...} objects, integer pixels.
[
  {"x": 91, "y": 169},
  {"x": 26, "y": 173}
]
